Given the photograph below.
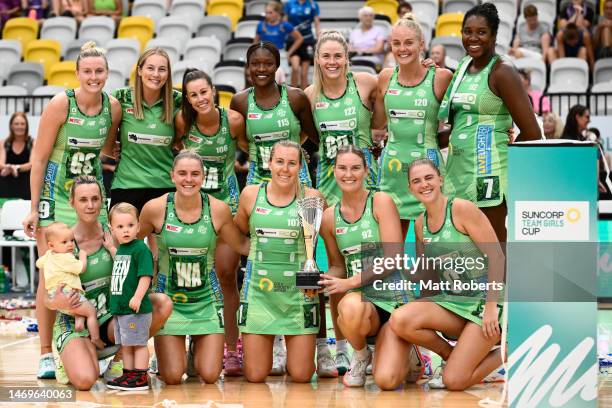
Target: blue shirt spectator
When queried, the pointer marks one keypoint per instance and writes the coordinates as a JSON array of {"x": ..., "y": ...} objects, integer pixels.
[
  {"x": 302, "y": 13},
  {"x": 275, "y": 33}
]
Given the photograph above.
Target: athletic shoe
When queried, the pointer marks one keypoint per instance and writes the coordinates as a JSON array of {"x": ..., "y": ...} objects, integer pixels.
[
  {"x": 114, "y": 370},
  {"x": 356, "y": 376},
  {"x": 498, "y": 375},
  {"x": 416, "y": 365},
  {"x": 342, "y": 363},
  {"x": 46, "y": 367},
  {"x": 436, "y": 382},
  {"x": 191, "y": 370},
  {"x": 233, "y": 364},
  {"x": 107, "y": 352},
  {"x": 133, "y": 380},
  {"x": 326, "y": 366},
  {"x": 279, "y": 358},
  {"x": 60, "y": 373},
  {"x": 369, "y": 368},
  {"x": 153, "y": 365}
]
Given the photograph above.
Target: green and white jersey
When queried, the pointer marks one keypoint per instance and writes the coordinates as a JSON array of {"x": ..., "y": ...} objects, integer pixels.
[
  {"x": 477, "y": 166},
  {"x": 412, "y": 116},
  {"x": 218, "y": 153},
  {"x": 96, "y": 282},
  {"x": 265, "y": 127},
  {"x": 359, "y": 243},
  {"x": 342, "y": 121},
  {"x": 269, "y": 301},
  {"x": 448, "y": 244},
  {"x": 146, "y": 145},
  {"x": 76, "y": 152},
  {"x": 186, "y": 273}
]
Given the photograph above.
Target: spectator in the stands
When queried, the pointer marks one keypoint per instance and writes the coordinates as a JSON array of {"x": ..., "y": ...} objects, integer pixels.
[
  {"x": 367, "y": 39},
  {"x": 552, "y": 125},
  {"x": 532, "y": 38},
  {"x": 36, "y": 9},
  {"x": 535, "y": 95},
  {"x": 576, "y": 123},
  {"x": 9, "y": 9},
  {"x": 438, "y": 54},
  {"x": 302, "y": 14},
  {"x": 577, "y": 12},
  {"x": 403, "y": 7},
  {"x": 68, "y": 8},
  {"x": 277, "y": 31},
  {"x": 110, "y": 8},
  {"x": 15, "y": 159},
  {"x": 602, "y": 37},
  {"x": 572, "y": 42}
]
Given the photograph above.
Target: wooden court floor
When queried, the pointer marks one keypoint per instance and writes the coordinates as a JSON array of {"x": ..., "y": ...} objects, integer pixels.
[{"x": 19, "y": 357}]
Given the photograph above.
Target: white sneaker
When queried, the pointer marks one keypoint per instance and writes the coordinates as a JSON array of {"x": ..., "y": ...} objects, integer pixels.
[
  {"x": 436, "y": 382},
  {"x": 153, "y": 365},
  {"x": 114, "y": 370},
  {"x": 498, "y": 375},
  {"x": 416, "y": 365},
  {"x": 326, "y": 366},
  {"x": 46, "y": 366},
  {"x": 279, "y": 357},
  {"x": 372, "y": 348},
  {"x": 342, "y": 363},
  {"x": 356, "y": 375}
]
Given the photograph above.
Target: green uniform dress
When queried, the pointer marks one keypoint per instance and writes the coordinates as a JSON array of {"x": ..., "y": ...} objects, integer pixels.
[
  {"x": 270, "y": 303},
  {"x": 76, "y": 152},
  {"x": 96, "y": 283},
  {"x": 448, "y": 243},
  {"x": 146, "y": 145},
  {"x": 477, "y": 166},
  {"x": 412, "y": 115},
  {"x": 342, "y": 121},
  {"x": 186, "y": 273},
  {"x": 264, "y": 127},
  {"x": 218, "y": 153},
  {"x": 359, "y": 242},
  {"x": 132, "y": 261}
]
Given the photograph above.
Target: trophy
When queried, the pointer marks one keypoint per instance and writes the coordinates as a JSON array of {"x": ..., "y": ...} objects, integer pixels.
[{"x": 310, "y": 210}]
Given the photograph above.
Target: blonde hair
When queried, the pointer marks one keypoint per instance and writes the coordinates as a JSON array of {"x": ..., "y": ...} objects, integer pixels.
[
  {"x": 299, "y": 188},
  {"x": 318, "y": 81},
  {"x": 187, "y": 154},
  {"x": 90, "y": 49},
  {"x": 167, "y": 115},
  {"x": 558, "y": 124},
  {"x": 122, "y": 208},
  {"x": 54, "y": 228},
  {"x": 408, "y": 20}
]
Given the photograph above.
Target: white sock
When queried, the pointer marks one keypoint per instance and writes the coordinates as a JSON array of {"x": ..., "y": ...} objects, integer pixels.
[
  {"x": 361, "y": 354},
  {"x": 341, "y": 346},
  {"x": 321, "y": 343},
  {"x": 46, "y": 355}
]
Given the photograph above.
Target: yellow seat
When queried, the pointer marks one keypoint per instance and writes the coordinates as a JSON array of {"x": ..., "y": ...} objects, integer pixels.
[
  {"x": 232, "y": 9},
  {"x": 132, "y": 81},
  {"x": 386, "y": 7},
  {"x": 225, "y": 97},
  {"x": 63, "y": 74},
  {"x": 23, "y": 29},
  {"x": 45, "y": 52},
  {"x": 449, "y": 24},
  {"x": 138, "y": 27}
]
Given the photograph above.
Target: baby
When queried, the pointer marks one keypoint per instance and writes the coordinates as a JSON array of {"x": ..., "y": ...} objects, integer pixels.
[{"x": 62, "y": 268}]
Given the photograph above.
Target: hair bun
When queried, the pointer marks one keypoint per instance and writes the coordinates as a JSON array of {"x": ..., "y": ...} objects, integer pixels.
[{"x": 88, "y": 45}]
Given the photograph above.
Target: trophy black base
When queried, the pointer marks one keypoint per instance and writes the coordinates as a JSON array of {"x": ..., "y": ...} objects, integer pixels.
[{"x": 307, "y": 280}]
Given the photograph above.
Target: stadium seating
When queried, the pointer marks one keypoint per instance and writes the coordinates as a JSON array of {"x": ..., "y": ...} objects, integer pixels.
[
  {"x": 603, "y": 71},
  {"x": 358, "y": 65},
  {"x": 507, "y": 9},
  {"x": 231, "y": 9},
  {"x": 537, "y": 69},
  {"x": 179, "y": 69},
  {"x": 256, "y": 7},
  {"x": 22, "y": 29},
  {"x": 138, "y": 27},
  {"x": 339, "y": 9},
  {"x": 546, "y": 10},
  {"x": 45, "y": 52},
  {"x": 229, "y": 73},
  {"x": 29, "y": 75},
  {"x": 192, "y": 10},
  {"x": 569, "y": 75},
  {"x": 100, "y": 29},
  {"x": 504, "y": 32},
  {"x": 457, "y": 6},
  {"x": 386, "y": 7},
  {"x": 452, "y": 45},
  {"x": 123, "y": 53},
  {"x": 62, "y": 74},
  {"x": 37, "y": 106},
  {"x": 10, "y": 105},
  {"x": 426, "y": 11},
  {"x": 10, "y": 54},
  {"x": 449, "y": 25},
  {"x": 225, "y": 93},
  {"x": 174, "y": 27},
  {"x": 247, "y": 26},
  {"x": 173, "y": 48},
  {"x": 62, "y": 29},
  {"x": 235, "y": 50},
  {"x": 116, "y": 78},
  {"x": 600, "y": 104},
  {"x": 154, "y": 9},
  {"x": 215, "y": 26},
  {"x": 204, "y": 51},
  {"x": 73, "y": 49}
]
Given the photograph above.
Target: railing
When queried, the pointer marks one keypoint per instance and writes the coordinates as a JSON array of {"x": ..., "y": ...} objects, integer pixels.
[
  {"x": 599, "y": 104},
  {"x": 33, "y": 105}
]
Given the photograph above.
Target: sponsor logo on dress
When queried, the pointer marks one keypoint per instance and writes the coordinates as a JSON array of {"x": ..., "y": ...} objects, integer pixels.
[
  {"x": 254, "y": 116},
  {"x": 129, "y": 110},
  {"x": 194, "y": 138},
  {"x": 341, "y": 230},
  {"x": 321, "y": 105},
  {"x": 484, "y": 135},
  {"x": 76, "y": 121},
  {"x": 347, "y": 125},
  {"x": 393, "y": 91},
  {"x": 407, "y": 113},
  {"x": 153, "y": 140},
  {"x": 173, "y": 228},
  {"x": 263, "y": 211}
]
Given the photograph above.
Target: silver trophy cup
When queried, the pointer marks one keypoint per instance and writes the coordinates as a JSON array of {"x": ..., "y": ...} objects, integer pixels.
[{"x": 310, "y": 210}]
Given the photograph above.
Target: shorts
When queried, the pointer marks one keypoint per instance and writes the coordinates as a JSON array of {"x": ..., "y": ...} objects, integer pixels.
[
  {"x": 383, "y": 315},
  {"x": 132, "y": 329},
  {"x": 138, "y": 197},
  {"x": 67, "y": 291},
  {"x": 63, "y": 331},
  {"x": 304, "y": 51}
]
